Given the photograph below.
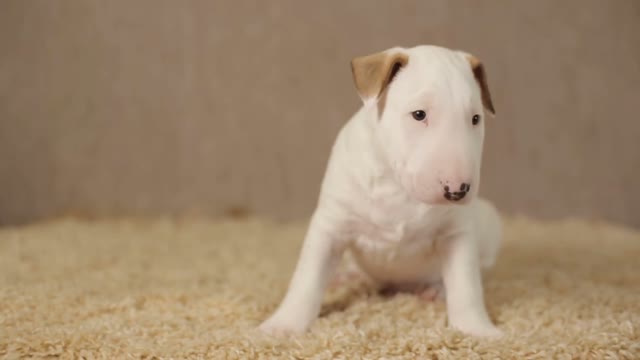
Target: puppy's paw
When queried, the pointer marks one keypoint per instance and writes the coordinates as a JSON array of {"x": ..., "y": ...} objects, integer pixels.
[
  {"x": 431, "y": 292},
  {"x": 485, "y": 331},
  {"x": 490, "y": 332},
  {"x": 281, "y": 326},
  {"x": 478, "y": 326}
]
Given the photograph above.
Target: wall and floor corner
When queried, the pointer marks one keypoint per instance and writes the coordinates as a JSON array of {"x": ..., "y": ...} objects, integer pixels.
[{"x": 153, "y": 107}]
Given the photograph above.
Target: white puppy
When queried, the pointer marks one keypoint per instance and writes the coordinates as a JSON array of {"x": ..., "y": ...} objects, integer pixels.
[{"x": 400, "y": 189}]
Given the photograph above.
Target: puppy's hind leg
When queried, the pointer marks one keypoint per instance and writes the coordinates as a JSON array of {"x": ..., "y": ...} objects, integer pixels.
[{"x": 348, "y": 274}]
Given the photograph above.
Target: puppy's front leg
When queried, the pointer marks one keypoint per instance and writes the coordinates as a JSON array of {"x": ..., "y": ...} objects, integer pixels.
[
  {"x": 463, "y": 285},
  {"x": 321, "y": 253}
]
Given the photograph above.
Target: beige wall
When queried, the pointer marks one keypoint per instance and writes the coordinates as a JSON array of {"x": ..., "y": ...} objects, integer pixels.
[{"x": 112, "y": 107}]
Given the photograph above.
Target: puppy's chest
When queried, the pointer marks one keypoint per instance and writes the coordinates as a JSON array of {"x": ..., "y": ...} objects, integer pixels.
[
  {"x": 398, "y": 244},
  {"x": 396, "y": 226}
]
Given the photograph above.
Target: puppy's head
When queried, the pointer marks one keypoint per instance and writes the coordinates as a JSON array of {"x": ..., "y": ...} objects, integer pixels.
[{"x": 431, "y": 104}]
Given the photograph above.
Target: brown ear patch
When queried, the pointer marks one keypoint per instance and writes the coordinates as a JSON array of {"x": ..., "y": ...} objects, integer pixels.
[
  {"x": 481, "y": 77},
  {"x": 373, "y": 73}
]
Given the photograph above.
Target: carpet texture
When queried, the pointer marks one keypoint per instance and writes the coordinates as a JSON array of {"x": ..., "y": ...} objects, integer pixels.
[{"x": 152, "y": 289}]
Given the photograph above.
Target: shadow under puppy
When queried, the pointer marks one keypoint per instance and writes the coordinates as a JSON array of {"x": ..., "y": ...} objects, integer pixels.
[{"x": 400, "y": 189}]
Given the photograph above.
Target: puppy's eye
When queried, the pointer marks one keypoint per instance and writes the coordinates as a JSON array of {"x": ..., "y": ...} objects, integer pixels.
[
  {"x": 476, "y": 119},
  {"x": 419, "y": 115}
]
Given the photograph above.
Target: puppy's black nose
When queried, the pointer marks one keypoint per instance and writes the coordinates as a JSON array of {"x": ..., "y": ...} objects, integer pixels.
[{"x": 456, "y": 195}]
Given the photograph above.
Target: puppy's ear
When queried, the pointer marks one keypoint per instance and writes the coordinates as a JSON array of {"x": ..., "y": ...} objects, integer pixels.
[
  {"x": 481, "y": 77},
  {"x": 373, "y": 73}
]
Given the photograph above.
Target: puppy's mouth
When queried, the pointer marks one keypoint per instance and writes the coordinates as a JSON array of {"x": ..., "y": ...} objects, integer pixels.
[
  {"x": 455, "y": 196},
  {"x": 433, "y": 197}
]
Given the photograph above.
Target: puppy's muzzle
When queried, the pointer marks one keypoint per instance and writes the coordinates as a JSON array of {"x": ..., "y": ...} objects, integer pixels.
[{"x": 456, "y": 195}]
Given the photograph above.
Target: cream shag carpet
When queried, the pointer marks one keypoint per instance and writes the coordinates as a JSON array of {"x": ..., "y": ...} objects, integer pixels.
[{"x": 197, "y": 289}]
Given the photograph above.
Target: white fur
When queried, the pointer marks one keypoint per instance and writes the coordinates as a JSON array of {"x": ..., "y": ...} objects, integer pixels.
[{"x": 382, "y": 197}]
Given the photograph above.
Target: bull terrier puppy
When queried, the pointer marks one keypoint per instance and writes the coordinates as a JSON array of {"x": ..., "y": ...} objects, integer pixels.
[{"x": 400, "y": 189}]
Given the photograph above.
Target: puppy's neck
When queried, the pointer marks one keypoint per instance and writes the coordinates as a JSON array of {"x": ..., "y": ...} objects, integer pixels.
[
  {"x": 361, "y": 158},
  {"x": 368, "y": 146}
]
